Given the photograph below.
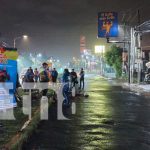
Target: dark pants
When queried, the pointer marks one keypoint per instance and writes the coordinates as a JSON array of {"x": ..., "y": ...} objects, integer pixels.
[
  {"x": 73, "y": 82},
  {"x": 54, "y": 79},
  {"x": 82, "y": 83},
  {"x": 44, "y": 92}
]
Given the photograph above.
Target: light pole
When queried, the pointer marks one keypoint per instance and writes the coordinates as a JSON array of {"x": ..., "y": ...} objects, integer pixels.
[
  {"x": 19, "y": 37},
  {"x": 100, "y": 50}
]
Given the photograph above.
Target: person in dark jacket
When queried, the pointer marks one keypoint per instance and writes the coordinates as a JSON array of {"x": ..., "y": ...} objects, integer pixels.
[
  {"x": 54, "y": 75},
  {"x": 66, "y": 75},
  {"x": 73, "y": 77},
  {"x": 82, "y": 78},
  {"x": 29, "y": 76},
  {"x": 66, "y": 88}
]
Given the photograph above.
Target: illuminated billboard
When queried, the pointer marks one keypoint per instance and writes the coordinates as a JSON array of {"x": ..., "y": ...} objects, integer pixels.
[
  {"x": 99, "y": 49},
  {"x": 107, "y": 24},
  {"x": 8, "y": 74}
]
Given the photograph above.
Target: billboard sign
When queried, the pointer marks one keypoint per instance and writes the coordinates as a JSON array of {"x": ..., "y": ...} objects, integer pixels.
[
  {"x": 99, "y": 49},
  {"x": 82, "y": 43},
  {"x": 8, "y": 73},
  {"x": 107, "y": 24}
]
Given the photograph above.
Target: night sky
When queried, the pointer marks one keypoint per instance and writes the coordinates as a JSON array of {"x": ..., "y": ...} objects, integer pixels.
[{"x": 54, "y": 27}]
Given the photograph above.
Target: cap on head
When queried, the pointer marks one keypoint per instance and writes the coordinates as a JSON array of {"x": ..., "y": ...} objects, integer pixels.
[{"x": 44, "y": 64}]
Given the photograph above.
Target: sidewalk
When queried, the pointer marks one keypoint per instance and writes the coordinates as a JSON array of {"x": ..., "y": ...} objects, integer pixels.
[{"x": 142, "y": 89}]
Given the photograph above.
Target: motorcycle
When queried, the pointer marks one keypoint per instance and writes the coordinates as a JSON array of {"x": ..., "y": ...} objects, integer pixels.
[{"x": 147, "y": 78}]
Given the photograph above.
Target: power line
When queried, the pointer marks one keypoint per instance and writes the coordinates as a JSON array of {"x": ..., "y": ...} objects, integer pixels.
[{"x": 132, "y": 13}]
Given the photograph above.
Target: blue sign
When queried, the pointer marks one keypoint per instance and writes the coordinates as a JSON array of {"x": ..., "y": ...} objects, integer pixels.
[
  {"x": 107, "y": 24},
  {"x": 8, "y": 74}
]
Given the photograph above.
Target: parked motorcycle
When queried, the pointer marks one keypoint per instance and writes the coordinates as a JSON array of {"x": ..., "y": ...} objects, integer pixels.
[{"x": 147, "y": 78}]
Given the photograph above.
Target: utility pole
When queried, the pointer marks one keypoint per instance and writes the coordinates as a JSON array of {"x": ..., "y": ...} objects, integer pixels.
[
  {"x": 124, "y": 45},
  {"x": 139, "y": 50},
  {"x": 132, "y": 55},
  {"x": 129, "y": 59}
]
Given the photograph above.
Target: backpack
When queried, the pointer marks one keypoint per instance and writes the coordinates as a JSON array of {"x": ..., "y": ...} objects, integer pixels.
[{"x": 44, "y": 76}]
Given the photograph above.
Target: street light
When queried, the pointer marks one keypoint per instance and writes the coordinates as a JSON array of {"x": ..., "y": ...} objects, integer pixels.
[
  {"x": 19, "y": 37},
  {"x": 39, "y": 55},
  {"x": 25, "y": 37}
]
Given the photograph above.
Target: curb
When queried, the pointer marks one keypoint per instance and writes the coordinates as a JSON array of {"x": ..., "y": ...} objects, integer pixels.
[
  {"x": 136, "y": 89},
  {"x": 17, "y": 141}
]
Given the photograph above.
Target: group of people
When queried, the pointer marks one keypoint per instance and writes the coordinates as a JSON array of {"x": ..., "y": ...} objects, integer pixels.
[
  {"x": 47, "y": 75},
  {"x": 74, "y": 81},
  {"x": 73, "y": 77}
]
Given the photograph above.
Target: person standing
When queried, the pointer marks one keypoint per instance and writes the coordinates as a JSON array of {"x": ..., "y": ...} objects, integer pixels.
[
  {"x": 65, "y": 76},
  {"x": 73, "y": 76},
  {"x": 30, "y": 68},
  {"x": 66, "y": 87},
  {"x": 29, "y": 76},
  {"x": 82, "y": 78},
  {"x": 36, "y": 75},
  {"x": 44, "y": 78},
  {"x": 54, "y": 75}
]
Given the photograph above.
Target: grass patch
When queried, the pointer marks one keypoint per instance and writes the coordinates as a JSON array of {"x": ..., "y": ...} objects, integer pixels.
[{"x": 10, "y": 135}]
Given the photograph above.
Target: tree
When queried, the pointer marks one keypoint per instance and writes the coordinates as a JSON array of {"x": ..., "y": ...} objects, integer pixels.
[{"x": 113, "y": 58}]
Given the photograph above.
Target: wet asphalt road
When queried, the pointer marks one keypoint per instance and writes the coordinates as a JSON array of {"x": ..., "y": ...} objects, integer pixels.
[{"x": 109, "y": 119}]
